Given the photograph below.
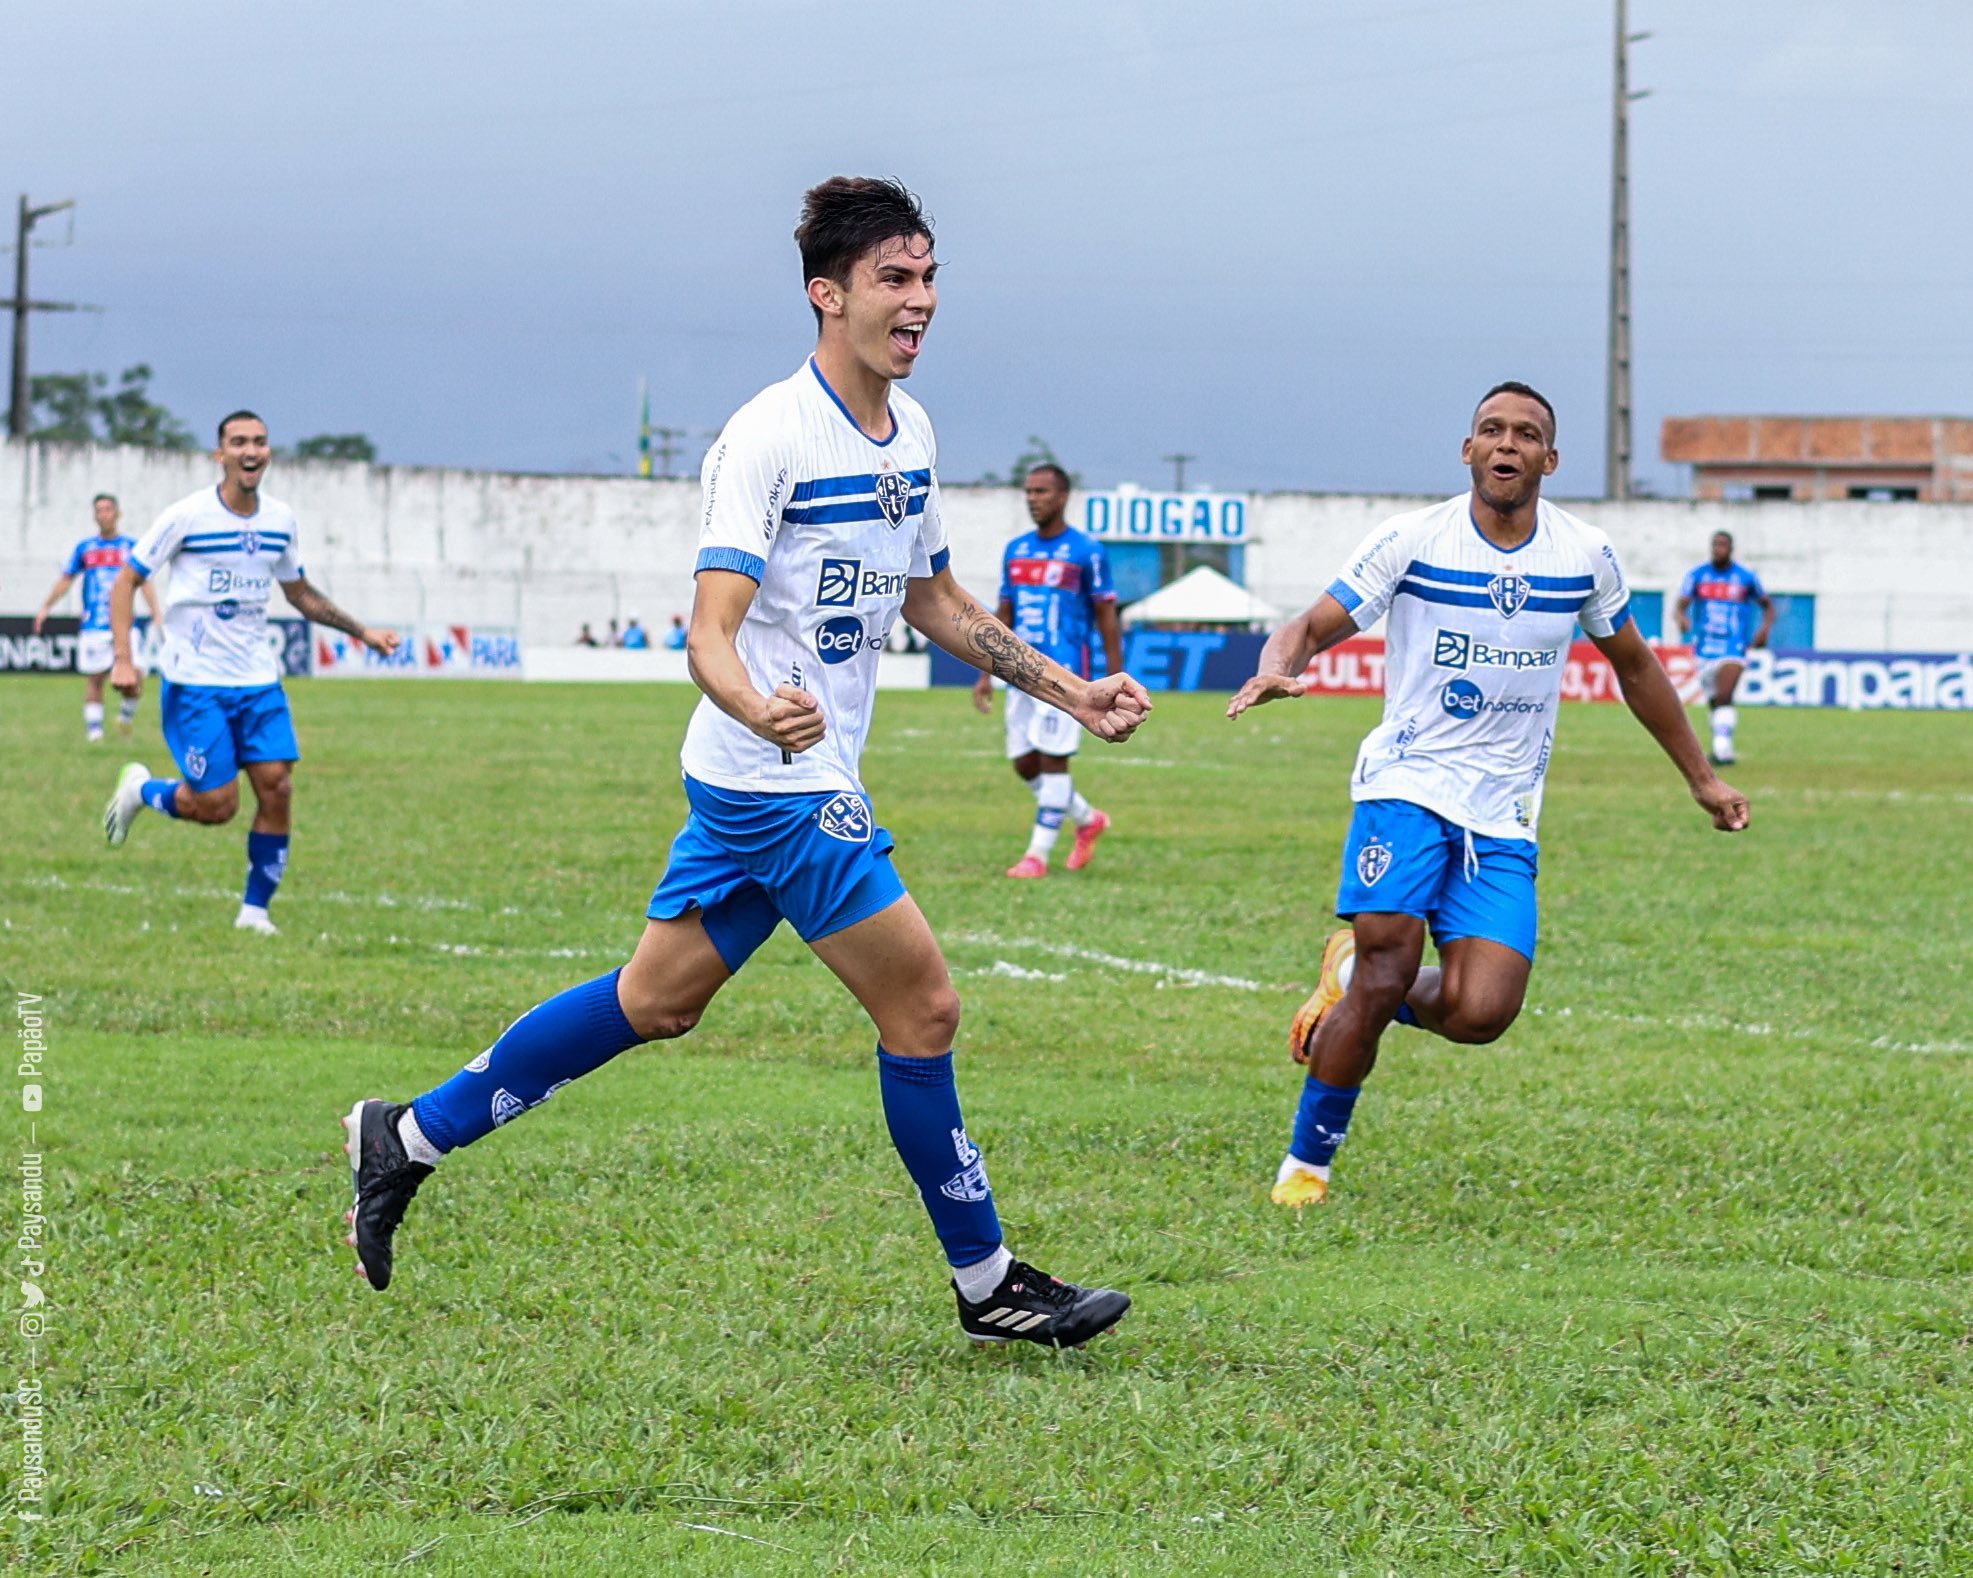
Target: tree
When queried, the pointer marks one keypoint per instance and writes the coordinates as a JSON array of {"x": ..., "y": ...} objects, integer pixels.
[
  {"x": 80, "y": 408},
  {"x": 336, "y": 446},
  {"x": 1039, "y": 452}
]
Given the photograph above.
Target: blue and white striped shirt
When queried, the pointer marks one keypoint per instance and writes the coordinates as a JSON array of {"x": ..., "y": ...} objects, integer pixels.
[
  {"x": 1474, "y": 654},
  {"x": 223, "y": 568},
  {"x": 832, "y": 524}
]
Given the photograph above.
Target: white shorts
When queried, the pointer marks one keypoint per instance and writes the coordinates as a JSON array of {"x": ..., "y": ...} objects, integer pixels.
[
  {"x": 95, "y": 652},
  {"x": 1035, "y": 726},
  {"x": 1709, "y": 673}
]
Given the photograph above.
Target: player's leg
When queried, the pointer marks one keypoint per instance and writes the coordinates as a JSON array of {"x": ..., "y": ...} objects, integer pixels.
[
  {"x": 892, "y": 964},
  {"x": 126, "y": 709},
  {"x": 263, "y": 734},
  {"x": 1394, "y": 862},
  {"x": 199, "y": 735},
  {"x": 92, "y": 708},
  {"x": 1486, "y": 924},
  {"x": 1022, "y": 750},
  {"x": 393, "y": 1148},
  {"x": 1725, "y": 718},
  {"x": 1061, "y": 738}
]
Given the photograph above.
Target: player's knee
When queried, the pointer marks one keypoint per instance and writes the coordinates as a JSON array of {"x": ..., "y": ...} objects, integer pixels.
[
  {"x": 215, "y": 806},
  {"x": 1383, "y": 979},
  {"x": 941, "y": 1017},
  {"x": 663, "y": 1024},
  {"x": 275, "y": 788},
  {"x": 1476, "y": 1027}
]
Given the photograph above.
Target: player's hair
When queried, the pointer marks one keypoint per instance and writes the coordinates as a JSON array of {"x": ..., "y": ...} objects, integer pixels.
[
  {"x": 102, "y": 498},
  {"x": 845, "y": 217},
  {"x": 241, "y": 415},
  {"x": 1054, "y": 471},
  {"x": 1516, "y": 387},
  {"x": 1727, "y": 535}
]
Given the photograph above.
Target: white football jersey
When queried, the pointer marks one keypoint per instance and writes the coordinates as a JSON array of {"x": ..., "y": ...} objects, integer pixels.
[
  {"x": 223, "y": 569},
  {"x": 832, "y": 524},
  {"x": 1474, "y": 655}
]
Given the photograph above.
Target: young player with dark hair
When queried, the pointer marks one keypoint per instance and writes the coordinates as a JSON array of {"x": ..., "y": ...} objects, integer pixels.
[{"x": 821, "y": 526}]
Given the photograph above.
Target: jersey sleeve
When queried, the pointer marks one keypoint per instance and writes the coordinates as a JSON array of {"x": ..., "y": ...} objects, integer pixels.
[
  {"x": 746, "y": 478},
  {"x": 288, "y": 567},
  {"x": 1097, "y": 576},
  {"x": 1755, "y": 590},
  {"x": 1370, "y": 580},
  {"x": 1006, "y": 576},
  {"x": 1689, "y": 585},
  {"x": 932, "y": 553},
  {"x": 74, "y": 566},
  {"x": 158, "y": 546},
  {"x": 1608, "y": 605}
]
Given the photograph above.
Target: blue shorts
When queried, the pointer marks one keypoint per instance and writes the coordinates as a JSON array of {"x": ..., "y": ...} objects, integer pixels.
[
  {"x": 1401, "y": 859},
  {"x": 213, "y": 730},
  {"x": 746, "y": 862}
]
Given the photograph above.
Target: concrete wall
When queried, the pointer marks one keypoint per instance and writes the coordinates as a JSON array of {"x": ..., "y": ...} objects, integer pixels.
[{"x": 547, "y": 553}]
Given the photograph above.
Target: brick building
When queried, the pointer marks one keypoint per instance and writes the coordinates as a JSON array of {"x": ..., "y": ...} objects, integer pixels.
[{"x": 1824, "y": 457}]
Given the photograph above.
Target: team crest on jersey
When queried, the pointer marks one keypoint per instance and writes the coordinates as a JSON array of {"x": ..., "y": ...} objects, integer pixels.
[
  {"x": 249, "y": 542},
  {"x": 846, "y": 817},
  {"x": 836, "y": 587},
  {"x": 506, "y": 1107},
  {"x": 1372, "y": 861},
  {"x": 1509, "y": 593},
  {"x": 195, "y": 762},
  {"x": 893, "y": 496}
]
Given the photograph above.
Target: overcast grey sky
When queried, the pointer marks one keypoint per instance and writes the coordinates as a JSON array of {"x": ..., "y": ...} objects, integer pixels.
[{"x": 1296, "y": 239}]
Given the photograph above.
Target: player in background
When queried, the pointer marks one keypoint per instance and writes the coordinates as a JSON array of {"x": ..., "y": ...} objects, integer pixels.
[
  {"x": 1723, "y": 590},
  {"x": 1484, "y": 592},
  {"x": 95, "y": 562},
  {"x": 223, "y": 709},
  {"x": 1054, "y": 587},
  {"x": 821, "y": 526}
]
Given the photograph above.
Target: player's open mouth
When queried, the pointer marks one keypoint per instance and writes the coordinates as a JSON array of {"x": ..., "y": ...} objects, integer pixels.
[
  {"x": 908, "y": 338},
  {"x": 1504, "y": 471}
]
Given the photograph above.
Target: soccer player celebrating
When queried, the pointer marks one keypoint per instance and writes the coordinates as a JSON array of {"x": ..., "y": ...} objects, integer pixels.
[
  {"x": 96, "y": 561},
  {"x": 1723, "y": 590},
  {"x": 223, "y": 708},
  {"x": 821, "y": 525},
  {"x": 1483, "y": 592},
  {"x": 1054, "y": 585}
]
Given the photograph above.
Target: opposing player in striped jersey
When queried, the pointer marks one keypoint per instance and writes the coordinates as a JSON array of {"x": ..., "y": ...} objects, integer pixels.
[
  {"x": 95, "y": 563},
  {"x": 821, "y": 527},
  {"x": 1054, "y": 591},
  {"x": 225, "y": 549},
  {"x": 1726, "y": 594},
  {"x": 1483, "y": 594}
]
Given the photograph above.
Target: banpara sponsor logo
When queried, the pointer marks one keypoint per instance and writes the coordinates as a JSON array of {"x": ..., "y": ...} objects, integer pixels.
[{"x": 1457, "y": 649}]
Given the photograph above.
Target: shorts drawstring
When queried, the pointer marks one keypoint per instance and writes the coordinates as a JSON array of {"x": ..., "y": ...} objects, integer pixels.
[{"x": 1472, "y": 862}]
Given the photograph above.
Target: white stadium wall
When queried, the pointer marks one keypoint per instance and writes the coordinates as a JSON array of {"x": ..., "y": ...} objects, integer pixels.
[{"x": 408, "y": 544}]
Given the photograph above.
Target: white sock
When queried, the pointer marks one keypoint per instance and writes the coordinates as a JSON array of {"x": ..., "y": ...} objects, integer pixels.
[
  {"x": 1051, "y": 792},
  {"x": 92, "y": 716},
  {"x": 1724, "y": 720},
  {"x": 1081, "y": 812},
  {"x": 1292, "y": 1164},
  {"x": 416, "y": 1146},
  {"x": 127, "y": 709},
  {"x": 976, "y": 1281},
  {"x": 1346, "y": 972}
]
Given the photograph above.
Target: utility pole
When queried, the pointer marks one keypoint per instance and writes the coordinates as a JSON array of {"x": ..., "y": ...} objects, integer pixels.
[
  {"x": 1177, "y": 464},
  {"x": 1617, "y": 435},
  {"x": 668, "y": 445},
  {"x": 22, "y": 306}
]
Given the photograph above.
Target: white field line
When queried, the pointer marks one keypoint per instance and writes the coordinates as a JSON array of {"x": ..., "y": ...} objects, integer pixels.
[
  {"x": 1168, "y": 973},
  {"x": 382, "y": 901},
  {"x": 1714, "y": 1022}
]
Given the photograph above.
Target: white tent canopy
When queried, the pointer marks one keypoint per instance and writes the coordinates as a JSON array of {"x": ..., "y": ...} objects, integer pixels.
[{"x": 1201, "y": 596}]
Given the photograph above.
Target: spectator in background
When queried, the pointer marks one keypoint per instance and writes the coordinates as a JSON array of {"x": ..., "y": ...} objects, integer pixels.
[
  {"x": 585, "y": 637},
  {"x": 615, "y": 637},
  {"x": 675, "y": 636},
  {"x": 636, "y": 637}
]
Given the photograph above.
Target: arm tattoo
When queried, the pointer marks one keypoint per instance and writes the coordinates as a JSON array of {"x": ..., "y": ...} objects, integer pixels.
[
  {"x": 312, "y": 605},
  {"x": 990, "y": 645}
]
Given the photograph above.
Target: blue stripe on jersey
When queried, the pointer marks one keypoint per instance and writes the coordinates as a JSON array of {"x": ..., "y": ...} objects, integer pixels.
[
  {"x": 941, "y": 559},
  {"x": 855, "y": 510},
  {"x": 1541, "y": 583},
  {"x": 751, "y": 564},
  {"x": 1347, "y": 595},
  {"x": 1438, "y": 594},
  {"x": 1623, "y": 615},
  {"x": 837, "y": 487}
]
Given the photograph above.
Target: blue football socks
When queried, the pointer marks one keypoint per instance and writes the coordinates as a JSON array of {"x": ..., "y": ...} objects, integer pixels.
[
  {"x": 161, "y": 794},
  {"x": 1322, "y": 1120},
  {"x": 921, "y": 1105},
  {"x": 549, "y": 1045},
  {"x": 267, "y": 858}
]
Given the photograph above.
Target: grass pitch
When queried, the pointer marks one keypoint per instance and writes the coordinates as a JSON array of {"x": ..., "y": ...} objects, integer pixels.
[{"x": 1672, "y": 1280}]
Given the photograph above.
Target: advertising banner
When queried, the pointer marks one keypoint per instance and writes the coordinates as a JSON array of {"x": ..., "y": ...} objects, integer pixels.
[
  {"x": 54, "y": 650},
  {"x": 424, "y": 651}
]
